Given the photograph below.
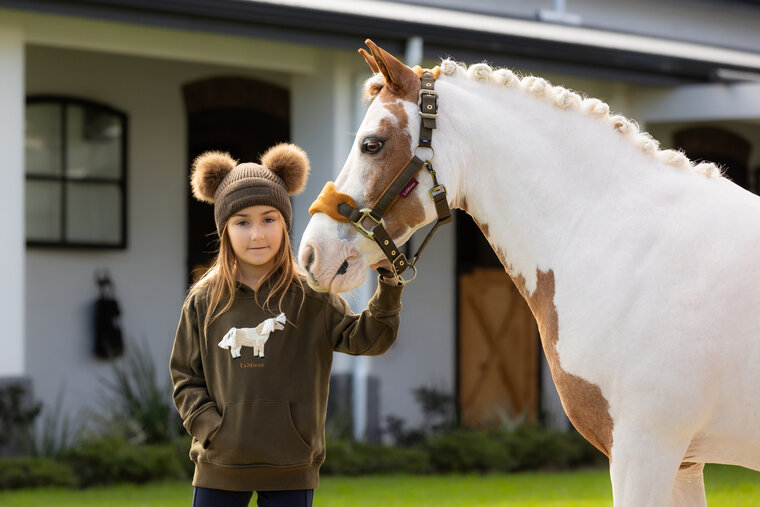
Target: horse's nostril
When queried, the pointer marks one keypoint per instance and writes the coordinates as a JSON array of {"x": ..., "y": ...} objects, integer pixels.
[
  {"x": 309, "y": 258},
  {"x": 343, "y": 268}
]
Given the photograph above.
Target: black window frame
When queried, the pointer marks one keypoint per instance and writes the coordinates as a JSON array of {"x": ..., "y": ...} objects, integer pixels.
[{"x": 64, "y": 101}]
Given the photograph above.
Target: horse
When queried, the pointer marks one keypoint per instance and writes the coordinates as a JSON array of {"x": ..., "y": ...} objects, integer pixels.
[
  {"x": 641, "y": 267},
  {"x": 255, "y": 337}
]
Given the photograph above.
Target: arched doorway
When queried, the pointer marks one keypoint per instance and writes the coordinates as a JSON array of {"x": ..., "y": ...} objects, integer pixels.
[{"x": 241, "y": 116}]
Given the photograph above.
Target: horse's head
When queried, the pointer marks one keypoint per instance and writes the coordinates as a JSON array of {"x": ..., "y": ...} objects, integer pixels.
[
  {"x": 333, "y": 250},
  {"x": 228, "y": 340},
  {"x": 271, "y": 324},
  {"x": 280, "y": 321}
]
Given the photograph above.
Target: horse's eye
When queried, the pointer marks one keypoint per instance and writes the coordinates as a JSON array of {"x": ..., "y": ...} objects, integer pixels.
[{"x": 371, "y": 146}]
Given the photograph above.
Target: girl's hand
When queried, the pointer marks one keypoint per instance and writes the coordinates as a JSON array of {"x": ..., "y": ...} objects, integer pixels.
[{"x": 386, "y": 264}]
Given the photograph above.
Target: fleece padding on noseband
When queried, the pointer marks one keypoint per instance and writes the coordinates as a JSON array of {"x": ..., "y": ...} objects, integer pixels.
[{"x": 328, "y": 200}]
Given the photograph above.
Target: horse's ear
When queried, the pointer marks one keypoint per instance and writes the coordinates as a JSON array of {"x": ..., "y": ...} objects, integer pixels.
[
  {"x": 370, "y": 61},
  {"x": 398, "y": 76}
]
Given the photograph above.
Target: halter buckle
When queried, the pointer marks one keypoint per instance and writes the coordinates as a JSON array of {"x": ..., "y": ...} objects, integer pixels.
[
  {"x": 429, "y": 93},
  {"x": 359, "y": 224},
  {"x": 436, "y": 191}
]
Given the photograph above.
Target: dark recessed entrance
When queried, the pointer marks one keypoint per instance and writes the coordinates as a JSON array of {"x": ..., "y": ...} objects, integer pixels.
[
  {"x": 241, "y": 116},
  {"x": 497, "y": 339},
  {"x": 728, "y": 150}
]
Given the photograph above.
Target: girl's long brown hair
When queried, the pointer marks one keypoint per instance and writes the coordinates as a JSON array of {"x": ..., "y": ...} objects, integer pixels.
[{"x": 218, "y": 283}]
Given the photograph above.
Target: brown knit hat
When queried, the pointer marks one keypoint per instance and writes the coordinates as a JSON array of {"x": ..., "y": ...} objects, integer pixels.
[{"x": 218, "y": 179}]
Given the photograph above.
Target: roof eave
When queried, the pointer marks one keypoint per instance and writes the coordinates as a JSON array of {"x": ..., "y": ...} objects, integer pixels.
[{"x": 348, "y": 30}]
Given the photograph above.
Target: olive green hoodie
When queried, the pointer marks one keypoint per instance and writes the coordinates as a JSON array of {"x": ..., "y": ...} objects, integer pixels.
[{"x": 267, "y": 414}]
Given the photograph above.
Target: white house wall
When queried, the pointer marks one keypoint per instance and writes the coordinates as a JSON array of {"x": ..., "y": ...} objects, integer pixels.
[
  {"x": 150, "y": 274},
  {"x": 322, "y": 107},
  {"x": 12, "y": 205},
  {"x": 425, "y": 353}
]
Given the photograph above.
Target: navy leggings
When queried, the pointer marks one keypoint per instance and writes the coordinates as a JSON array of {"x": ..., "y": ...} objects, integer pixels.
[{"x": 207, "y": 497}]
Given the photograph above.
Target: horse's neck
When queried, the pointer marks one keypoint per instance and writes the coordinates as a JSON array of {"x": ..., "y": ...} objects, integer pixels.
[{"x": 530, "y": 173}]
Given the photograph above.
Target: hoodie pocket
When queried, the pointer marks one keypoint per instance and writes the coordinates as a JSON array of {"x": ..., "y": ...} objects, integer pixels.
[{"x": 258, "y": 432}]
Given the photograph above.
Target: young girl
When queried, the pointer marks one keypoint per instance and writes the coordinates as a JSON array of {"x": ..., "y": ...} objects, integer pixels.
[{"x": 252, "y": 355}]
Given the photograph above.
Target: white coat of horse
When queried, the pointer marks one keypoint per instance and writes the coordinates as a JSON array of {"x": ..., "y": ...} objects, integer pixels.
[
  {"x": 641, "y": 268},
  {"x": 255, "y": 337}
]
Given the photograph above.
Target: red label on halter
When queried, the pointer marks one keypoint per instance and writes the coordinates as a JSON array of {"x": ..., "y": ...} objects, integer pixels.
[{"x": 408, "y": 188}]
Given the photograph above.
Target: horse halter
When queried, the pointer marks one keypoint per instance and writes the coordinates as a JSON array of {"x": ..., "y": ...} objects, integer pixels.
[{"x": 369, "y": 221}]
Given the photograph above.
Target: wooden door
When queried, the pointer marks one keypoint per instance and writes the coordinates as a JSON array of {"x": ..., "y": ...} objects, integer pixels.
[{"x": 498, "y": 350}]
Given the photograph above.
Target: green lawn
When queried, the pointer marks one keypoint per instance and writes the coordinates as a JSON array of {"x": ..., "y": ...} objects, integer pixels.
[{"x": 726, "y": 486}]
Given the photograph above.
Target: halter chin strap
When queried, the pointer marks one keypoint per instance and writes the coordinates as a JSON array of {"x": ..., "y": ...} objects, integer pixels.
[{"x": 369, "y": 221}]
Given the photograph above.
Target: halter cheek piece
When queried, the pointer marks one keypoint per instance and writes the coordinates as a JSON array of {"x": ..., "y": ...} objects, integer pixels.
[{"x": 369, "y": 221}]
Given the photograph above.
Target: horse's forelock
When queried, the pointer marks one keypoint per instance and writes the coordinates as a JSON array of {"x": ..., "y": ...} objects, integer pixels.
[{"x": 372, "y": 87}]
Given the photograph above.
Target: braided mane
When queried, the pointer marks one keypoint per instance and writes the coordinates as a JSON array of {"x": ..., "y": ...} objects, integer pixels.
[
  {"x": 564, "y": 99},
  {"x": 567, "y": 99}
]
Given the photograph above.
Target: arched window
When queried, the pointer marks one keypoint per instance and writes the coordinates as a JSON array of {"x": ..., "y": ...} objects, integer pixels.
[{"x": 75, "y": 173}]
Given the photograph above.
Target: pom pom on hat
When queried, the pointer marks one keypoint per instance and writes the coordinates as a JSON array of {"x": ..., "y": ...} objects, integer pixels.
[
  {"x": 218, "y": 179},
  {"x": 209, "y": 169},
  {"x": 290, "y": 163}
]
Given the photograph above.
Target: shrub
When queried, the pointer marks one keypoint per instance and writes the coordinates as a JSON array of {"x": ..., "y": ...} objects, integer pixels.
[
  {"x": 17, "y": 416},
  {"x": 110, "y": 459},
  {"x": 182, "y": 451},
  {"x": 380, "y": 459},
  {"x": 26, "y": 472},
  {"x": 464, "y": 450},
  {"x": 526, "y": 447},
  {"x": 340, "y": 459},
  {"x": 57, "y": 432},
  {"x": 345, "y": 457},
  {"x": 141, "y": 408}
]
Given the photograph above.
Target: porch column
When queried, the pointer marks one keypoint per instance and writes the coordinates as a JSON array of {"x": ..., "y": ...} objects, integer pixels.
[
  {"x": 324, "y": 105},
  {"x": 12, "y": 339}
]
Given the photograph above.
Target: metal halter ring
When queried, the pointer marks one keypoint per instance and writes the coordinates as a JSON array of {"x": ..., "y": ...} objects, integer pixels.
[
  {"x": 400, "y": 279},
  {"x": 425, "y": 148}
]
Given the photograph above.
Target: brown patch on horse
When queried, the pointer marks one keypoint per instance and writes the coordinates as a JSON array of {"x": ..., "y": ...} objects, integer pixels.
[
  {"x": 402, "y": 120},
  {"x": 407, "y": 212},
  {"x": 390, "y": 160},
  {"x": 584, "y": 403}
]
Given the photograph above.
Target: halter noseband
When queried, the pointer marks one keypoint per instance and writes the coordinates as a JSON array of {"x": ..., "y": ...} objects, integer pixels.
[{"x": 369, "y": 221}]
